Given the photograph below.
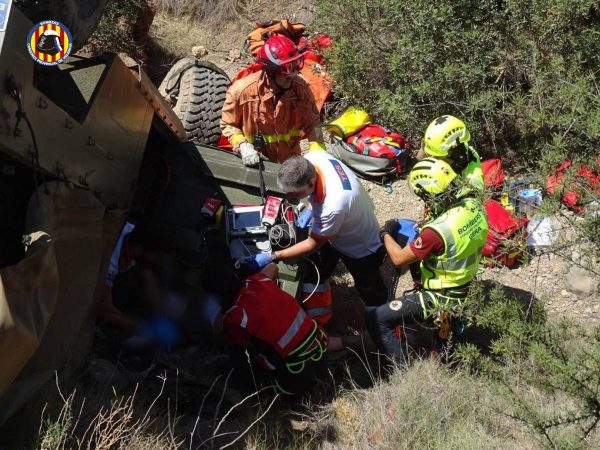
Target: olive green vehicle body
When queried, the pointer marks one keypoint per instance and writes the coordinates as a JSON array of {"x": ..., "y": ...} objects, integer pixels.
[{"x": 95, "y": 120}]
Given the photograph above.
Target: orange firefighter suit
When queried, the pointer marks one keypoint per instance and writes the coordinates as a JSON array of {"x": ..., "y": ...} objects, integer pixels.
[{"x": 251, "y": 108}]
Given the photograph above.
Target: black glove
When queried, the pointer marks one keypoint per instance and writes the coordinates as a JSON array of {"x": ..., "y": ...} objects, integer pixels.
[{"x": 390, "y": 227}]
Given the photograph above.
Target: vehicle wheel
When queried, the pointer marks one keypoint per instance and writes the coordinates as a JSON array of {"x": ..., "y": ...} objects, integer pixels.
[
  {"x": 199, "y": 102},
  {"x": 80, "y": 16}
]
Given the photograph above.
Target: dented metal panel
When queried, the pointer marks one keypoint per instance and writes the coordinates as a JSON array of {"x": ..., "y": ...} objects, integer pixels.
[{"x": 104, "y": 150}]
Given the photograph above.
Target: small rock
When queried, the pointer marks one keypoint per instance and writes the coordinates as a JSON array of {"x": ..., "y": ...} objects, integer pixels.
[
  {"x": 199, "y": 51},
  {"x": 565, "y": 293},
  {"x": 581, "y": 282},
  {"x": 234, "y": 54}
]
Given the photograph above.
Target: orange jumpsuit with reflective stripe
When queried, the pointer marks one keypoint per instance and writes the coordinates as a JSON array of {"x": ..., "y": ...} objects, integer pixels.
[{"x": 251, "y": 108}]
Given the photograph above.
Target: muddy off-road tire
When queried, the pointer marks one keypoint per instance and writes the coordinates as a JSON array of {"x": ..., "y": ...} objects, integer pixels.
[
  {"x": 80, "y": 16},
  {"x": 199, "y": 102}
]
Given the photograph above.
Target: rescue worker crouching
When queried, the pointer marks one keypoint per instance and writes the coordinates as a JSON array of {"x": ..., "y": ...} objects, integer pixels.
[
  {"x": 284, "y": 342},
  {"x": 272, "y": 109},
  {"x": 448, "y": 246},
  {"x": 447, "y": 138},
  {"x": 344, "y": 227}
]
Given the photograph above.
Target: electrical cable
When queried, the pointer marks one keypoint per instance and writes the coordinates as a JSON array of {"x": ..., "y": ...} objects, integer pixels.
[
  {"x": 244, "y": 245},
  {"x": 278, "y": 232},
  {"x": 318, "y": 279}
]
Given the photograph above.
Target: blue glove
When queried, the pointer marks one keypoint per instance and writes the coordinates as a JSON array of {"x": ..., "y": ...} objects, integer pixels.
[
  {"x": 304, "y": 218},
  {"x": 408, "y": 228},
  {"x": 407, "y": 232},
  {"x": 159, "y": 331},
  {"x": 255, "y": 262}
]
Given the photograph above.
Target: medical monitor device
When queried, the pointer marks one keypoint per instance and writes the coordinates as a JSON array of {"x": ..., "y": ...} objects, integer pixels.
[{"x": 245, "y": 221}]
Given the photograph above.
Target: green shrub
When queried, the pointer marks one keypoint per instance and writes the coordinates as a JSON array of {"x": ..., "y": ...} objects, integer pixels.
[
  {"x": 523, "y": 74},
  {"x": 548, "y": 372},
  {"x": 115, "y": 30}
]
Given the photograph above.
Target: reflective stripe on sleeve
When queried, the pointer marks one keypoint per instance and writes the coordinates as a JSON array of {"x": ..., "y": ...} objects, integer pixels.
[
  {"x": 316, "y": 312},
  {"x": 274, "y": 138},
  {"x": 237, "y": 138},
  {"x": 293, "y": 329},
  {"x": 310, "y": 287}
]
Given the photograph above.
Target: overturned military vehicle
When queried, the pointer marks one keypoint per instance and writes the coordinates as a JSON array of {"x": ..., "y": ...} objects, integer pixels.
[{"x": 85, "y": 146}]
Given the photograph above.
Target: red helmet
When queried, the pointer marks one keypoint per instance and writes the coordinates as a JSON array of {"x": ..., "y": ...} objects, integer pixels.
[{"x": 280, "y": 55}]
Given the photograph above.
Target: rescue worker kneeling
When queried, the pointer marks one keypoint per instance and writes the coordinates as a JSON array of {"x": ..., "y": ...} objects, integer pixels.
[
  {"x": 448, "y": 246},
  {"x": 283, "y": 341}
]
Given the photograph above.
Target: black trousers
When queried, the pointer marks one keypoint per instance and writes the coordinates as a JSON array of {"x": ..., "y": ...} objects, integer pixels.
[
  {"x": 365, "y": 271},
  {"x": 383, "y": 320}
]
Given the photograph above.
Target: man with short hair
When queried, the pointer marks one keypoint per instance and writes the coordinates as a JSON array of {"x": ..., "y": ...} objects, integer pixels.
[
  {"x": 344, "y": 227},
  {"x": 273, "y": 109}
]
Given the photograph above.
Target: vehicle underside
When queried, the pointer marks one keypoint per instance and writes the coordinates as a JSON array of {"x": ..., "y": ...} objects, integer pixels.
[{"x": 85, "y": 147}]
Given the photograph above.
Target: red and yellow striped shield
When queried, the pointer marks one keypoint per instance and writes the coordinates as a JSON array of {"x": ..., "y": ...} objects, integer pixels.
[{"x": 49, "y": 42}]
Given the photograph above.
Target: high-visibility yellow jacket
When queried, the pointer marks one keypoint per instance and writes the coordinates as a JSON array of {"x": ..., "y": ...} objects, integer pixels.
[
  {"x": 464, "y": 229},
  {"x": 251, "y": 108}
]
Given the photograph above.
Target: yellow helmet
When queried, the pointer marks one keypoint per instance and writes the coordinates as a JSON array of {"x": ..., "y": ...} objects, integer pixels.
[
  {"x": 430, "y": 177},
  {"x": 444, "y": 133}
]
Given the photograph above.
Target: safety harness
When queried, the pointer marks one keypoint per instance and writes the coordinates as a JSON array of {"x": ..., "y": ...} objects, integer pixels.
[
  {"x": 444, "y": 307},
  {"x": 312, "y": 348}
]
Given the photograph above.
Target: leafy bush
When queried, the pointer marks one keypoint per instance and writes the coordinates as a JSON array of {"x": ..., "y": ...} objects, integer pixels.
[{"x": 522, "y": 74}]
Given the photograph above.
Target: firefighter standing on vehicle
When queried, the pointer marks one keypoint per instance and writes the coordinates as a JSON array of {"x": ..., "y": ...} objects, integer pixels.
[
  {"x": 271, "y": 110},
  {"x": 343, "y": 227},
  {"x": 448, "y": 246},
  {"x": 447, "y": 138},
  {"x": 284, "y": 342}
]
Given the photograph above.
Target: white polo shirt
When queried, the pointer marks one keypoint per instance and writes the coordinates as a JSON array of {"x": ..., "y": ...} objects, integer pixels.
[{"x": 342, "y": 209}]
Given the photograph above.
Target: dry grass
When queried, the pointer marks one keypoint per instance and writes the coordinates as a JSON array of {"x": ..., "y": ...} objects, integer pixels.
[
  {"x": 426, "y": 407},
  {"x": 220, "y": 26},
  {"x": 213, "y": 13},
  {"x": 210, "y": 12},
  {"x": 93, "y": 419},
  {"x": 114, "y": 426}
]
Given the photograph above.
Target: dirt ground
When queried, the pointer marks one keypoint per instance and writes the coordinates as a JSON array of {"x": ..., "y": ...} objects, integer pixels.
[{"x": 171, "y": 38}]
